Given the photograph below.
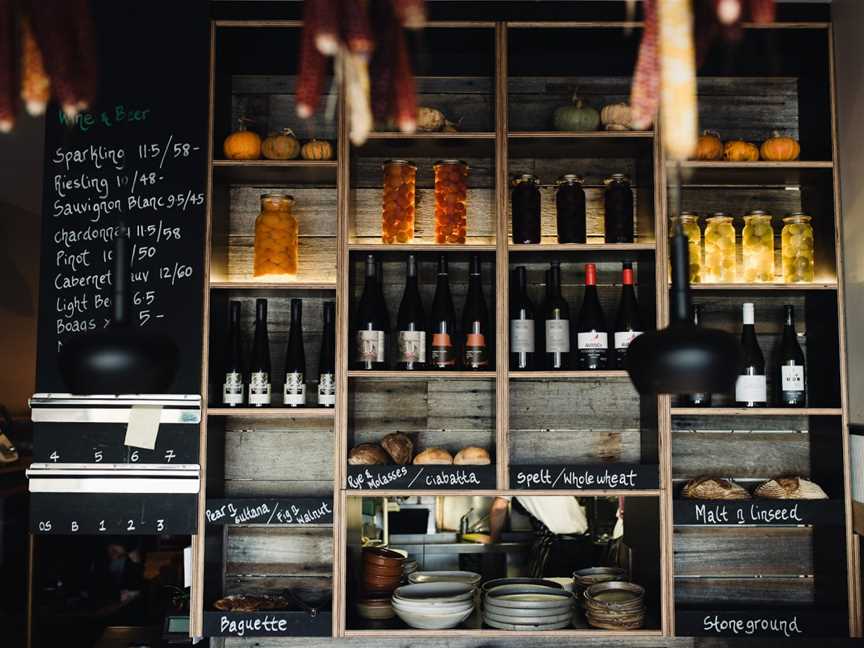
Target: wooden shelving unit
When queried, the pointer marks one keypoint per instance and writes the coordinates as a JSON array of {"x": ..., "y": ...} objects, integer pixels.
[{"x": 571, "y": 417}]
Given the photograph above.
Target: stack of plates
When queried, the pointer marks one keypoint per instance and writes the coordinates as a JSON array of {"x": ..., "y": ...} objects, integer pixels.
[
  {"x": 519, "y": 581},
  {"x": 585, "y": 578},
  {"x": 466, "y": 577},
  {"x": 434, "y": 606},
  {"x": 527, "y": 606},
  {"x": 615, "y": 605},
  {"x": 375, "y": 609}
]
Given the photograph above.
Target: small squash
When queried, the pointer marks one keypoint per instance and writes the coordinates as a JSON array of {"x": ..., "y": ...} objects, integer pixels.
[
  {"x": 429, "y": 120},
  {"x": 616, "y": 117},
  {"x": 242, "y": 144},
  {"x": 780, "y": 149},
  {"x": 281, "y": 146},
  {"x": 740, "y": 151},
  {"x": 709, "y": 147},
  {"x": 576, "y": 117},
  {"x": 317, "y": 150}
]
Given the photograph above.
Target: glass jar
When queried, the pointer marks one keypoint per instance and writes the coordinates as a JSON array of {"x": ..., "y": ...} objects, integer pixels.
[
  {"x": 690, "y": 226},
  {"x": 757, "y": 248},
  {"x": 618, "y": 214},
  {"x": 525, "y": 203},
  {"x": 451, "y": 201},
  {"x": 718, "y": 265},
  {"x": 276, "y": 238},
  {"x": 570, "y": 209},
  {"x": 397, "y": 201},
  {"x": 797, "y": 249}
]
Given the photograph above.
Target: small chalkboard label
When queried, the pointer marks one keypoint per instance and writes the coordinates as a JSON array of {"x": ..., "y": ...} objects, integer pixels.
[
  {"x": 113, "y": 513},
  {"x": 585, "y": 477},
  {"x": 267, "y": 624},
  {"x": 285, "y": 512},
  {"x": 758, "y": 512},
  {"x": 421, "y": 477},
  {"x": 787, "y": 624}
]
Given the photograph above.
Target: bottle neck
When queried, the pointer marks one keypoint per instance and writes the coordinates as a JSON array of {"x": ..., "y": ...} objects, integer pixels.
[
  {"x": 790, "y": 318},
  {"x": 590, "y": 276},
  {"x": 296, "y": 311},
  {"x": 235, "y": 315},
  {"x": 696, "y": 316},
  {"x": 328, "y": 315},
  {"x": 554, "y": 288},
  {"x": 261, "y": 311},
  {"x": 522, "y": 281}
]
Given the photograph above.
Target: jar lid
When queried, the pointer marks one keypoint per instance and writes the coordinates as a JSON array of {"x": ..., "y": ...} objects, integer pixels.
[
  {"x": 398, "y": 162},
  {"x": 570, "y": 178},
  {"x": 794, "y": 216},
  {"x": 277, "y": 196},
  {"x": 462, "y": 162},
  {"x": 617, "y": 177},
  {"x": 526, "y": 177},
  {"x": 719, "y": 216},
  {"x": 692, "y": 214}
]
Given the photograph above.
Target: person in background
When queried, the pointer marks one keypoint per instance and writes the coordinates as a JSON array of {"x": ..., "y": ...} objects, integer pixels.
[{"x": 555, "y": 520}]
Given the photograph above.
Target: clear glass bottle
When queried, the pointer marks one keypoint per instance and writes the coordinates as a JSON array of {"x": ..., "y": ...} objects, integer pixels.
[
  {"x": 757, "y": 248},
  {"x": 690, "y": 226},
  {"x": 797, "y": 249},
  {"x": 397, "y": 202},
  {"x": 277, "y": 244},
  {"x": 719, "y": 264},
  {"x": 451, "y": 201}
]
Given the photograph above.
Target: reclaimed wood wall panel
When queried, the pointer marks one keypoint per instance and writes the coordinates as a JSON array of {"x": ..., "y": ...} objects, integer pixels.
[
  {"x": 273, "y": 551},
  {"x": 719, "y": 592},
  {"x": 733, "y": 551},
  {"x": 758, "y": 455}
]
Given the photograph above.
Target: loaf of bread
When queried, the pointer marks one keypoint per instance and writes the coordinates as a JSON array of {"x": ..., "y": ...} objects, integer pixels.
[
  {"x": 714, "y": 488},
  {"x": 367, "y": 454},
  {"x": 399, "y": 447},
  {"x": 790, "y": 488},
  {"x": 472, "y": 456},
  {"x": 434, "y": 457}
]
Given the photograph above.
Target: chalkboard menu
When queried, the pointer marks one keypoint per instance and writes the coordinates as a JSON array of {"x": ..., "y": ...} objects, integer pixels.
[
  {"x": 758, "y": 512},
  {"x": 421, "y": 478},
  {"x": 138, "y": 155},
  {"x": 778, "y": 623},
  {"x": 297, "y": 511},
  {"x": 615, "y": 476}
]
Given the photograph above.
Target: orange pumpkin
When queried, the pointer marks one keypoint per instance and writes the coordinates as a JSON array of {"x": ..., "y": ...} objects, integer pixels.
[
  {"x": 709, "y": 147},
  {"x": 740, "y": 151},
  {"x": 317, "y": 150},
  {"x": 281, "y": 146},
  {"x": 780, "y": 149},
  {"x": 242, "y": 144}
]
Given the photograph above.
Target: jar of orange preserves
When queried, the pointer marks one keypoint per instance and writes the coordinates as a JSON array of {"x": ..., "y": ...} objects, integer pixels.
[
  {"x": 397, "y": 201},
  {"x": 451, "y": 201},
  {"x": 276, "y": 237}
]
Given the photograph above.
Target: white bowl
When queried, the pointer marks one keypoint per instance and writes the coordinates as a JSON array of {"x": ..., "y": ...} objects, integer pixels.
[
  {"x": 537, "y": 619},
  {"x": 499, "y": 610},
  {"x": 441, "y": 592},
  {"x": 423, "y": 621},
  {"x": 471, "y": 578}
]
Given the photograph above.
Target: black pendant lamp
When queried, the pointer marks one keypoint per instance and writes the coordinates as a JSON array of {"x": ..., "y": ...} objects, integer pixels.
[{"x": 683, "y": 358}]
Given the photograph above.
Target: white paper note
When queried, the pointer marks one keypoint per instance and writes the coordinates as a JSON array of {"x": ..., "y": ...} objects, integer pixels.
[
  {"x": 187, "y": 566},
  {"x": 143, "y": 426}
]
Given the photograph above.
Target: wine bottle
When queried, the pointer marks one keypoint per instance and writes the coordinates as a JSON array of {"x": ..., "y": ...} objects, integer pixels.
[
  {"x": 556, "y": 314},
  {"x": 750, "y": 388},
  {"x": 371, "y": 323},
  {"x": 592, "y": 338},
  {"x": 628, "y": 324},
  {"x": 475, "y": 322},
  {"x": 259, "y": 367},
  {"x": 521, "y": 325},
  {"x": 443, "y": 319},
  {"x": 327, "y": 362},
  {"x": 792, "y": 379},
  {"x": 411, "y": 323},
  {"x": 233, "y": 388},
  {"x": 294, "y": 390},
  {"x": 699, "y": 399},
  {"x": 382, "y": 304}
]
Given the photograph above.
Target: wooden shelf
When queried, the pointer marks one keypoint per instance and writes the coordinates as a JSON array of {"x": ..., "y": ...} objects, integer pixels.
[
  {"x": 272, "y": 412},
  {"x": 582, "y": 248},
  {"x": 587, "y": 144},
  {"x": 433, "y": 248},
  {"x": 600, "y": 136},
  {"x": 617, "y": 374},
  {"x": 275, "y": 172},
  {"x": 490, "y": 632},
  {"x": 778, "y": 287},
  {"x": 756, "y": 411},
  {"x": 750, "y": 173},
  {"x": 271, "y": 285},
  {"x": 421, "y": 375},
  {"x": 445, "y": 145}
]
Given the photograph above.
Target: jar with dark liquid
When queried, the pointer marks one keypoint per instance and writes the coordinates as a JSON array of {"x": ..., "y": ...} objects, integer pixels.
[
  {"x": 525, "y": 201},
  {"x": 570, "y": 207},
  {"x": 618, "y": 218}
]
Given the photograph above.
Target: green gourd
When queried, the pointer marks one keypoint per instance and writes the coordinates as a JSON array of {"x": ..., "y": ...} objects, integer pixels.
[{"x": 577, "y": 117}]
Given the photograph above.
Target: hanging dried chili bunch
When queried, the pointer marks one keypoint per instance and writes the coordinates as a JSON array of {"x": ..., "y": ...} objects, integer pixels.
[{"x": 361, "y": 34}]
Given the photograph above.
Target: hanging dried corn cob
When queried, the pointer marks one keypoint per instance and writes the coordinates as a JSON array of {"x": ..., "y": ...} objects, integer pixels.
[
  {"x": 677, "y": 78},
  {"x": 645, "y": 93},
  {"x": 357, "y": 32},
  {"x": 310, "y": 80},
  {"x": 35, "y": 83},
  {"x": 8, "y": 86},
  {"x": 326, "y": 26},
  {"x": 411, "y": 13},
  {"x": 357, "y": 97},
  {"x": 762, "y": 11},
  {"x": 404, "y": 94},
  {"x": 53, "y": 26}
]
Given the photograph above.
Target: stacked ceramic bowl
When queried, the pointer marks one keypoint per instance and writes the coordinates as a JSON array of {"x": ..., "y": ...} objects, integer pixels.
[
  {"x": 585, "y": 578},
  {"x": 527, "y": 606},
  {"x": 466, "y": 577},
  {"x": 408, "y": 568},
  {"x": 615, "y": 605},
  {"x": 434, "y": 606},
  {"x": 382, "y": 570}
]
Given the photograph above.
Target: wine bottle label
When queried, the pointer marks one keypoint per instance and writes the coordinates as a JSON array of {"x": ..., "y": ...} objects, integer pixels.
[
  {"x": 370, "y": 346},
  {"x": 593, "y": 340},
  {"x": 751, "y": 389},
  {"x": 624, "y": 338},
  {"x": 294, "y": 392},
  {"x": 522, "y": 336},
  {"x": 475, "y": 351},
  {"x": 792, "y": 378},
  {"x": 442, "y": 350},
  {"x": 557, "y": 336},
  {"x": 232, "y": 389},
  {"x": 412, "y": 346},
  {"x": 327, "y": 390},
  {"x": 259, "y": 388}
]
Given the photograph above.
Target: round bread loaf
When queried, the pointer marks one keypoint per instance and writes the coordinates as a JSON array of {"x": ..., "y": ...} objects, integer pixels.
[
  {"x": 472, "y": 456},
  {"x": 714, "y": 488},
  {"x": 399, "y": 447},
  {"x": 434, "y": 457},
  {"x": 790, "y": 488},
  {"x": 367, "y": 454}
]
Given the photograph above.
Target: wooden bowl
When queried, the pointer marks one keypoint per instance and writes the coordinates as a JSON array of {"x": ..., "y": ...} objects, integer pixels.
[{"x": 383, "y": 557}]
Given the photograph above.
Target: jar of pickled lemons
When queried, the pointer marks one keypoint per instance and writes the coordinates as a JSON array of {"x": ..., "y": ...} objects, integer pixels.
[
  {"x": 719, "y": 264},
  {"x": 757, "y": 248},
  {"x": 797, "y": 249},
  {"x": 276, "y": 238},
  {"x": 690, "y": 226}
]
